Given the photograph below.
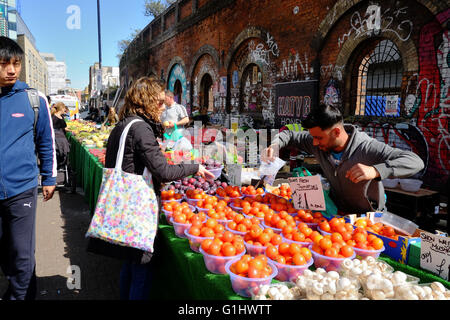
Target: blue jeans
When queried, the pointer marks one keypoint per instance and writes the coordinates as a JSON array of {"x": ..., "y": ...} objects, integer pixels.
[{"x": 135, "y": 281}]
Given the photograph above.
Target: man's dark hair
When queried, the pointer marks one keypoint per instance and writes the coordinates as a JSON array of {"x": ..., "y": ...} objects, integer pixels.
[
  {"x": 323, "y": 116},
  {"x": 9, "y": 49}
]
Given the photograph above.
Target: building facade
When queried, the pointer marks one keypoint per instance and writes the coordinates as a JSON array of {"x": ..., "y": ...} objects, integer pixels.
[
  {"x": 57, "y": 73},
  {"x": 386, "y": 64},
  {"x": 34, "y": 69},
  {"x": 110, "y": 78},
  {"x": 8, "y": 19}
]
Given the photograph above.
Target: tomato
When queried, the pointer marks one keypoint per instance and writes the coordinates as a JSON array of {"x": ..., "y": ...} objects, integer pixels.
[
  {"x": 228, "y": 250},
  {"x": 264, "y": 238},
  {"x": 214, "y": 249},
  {"x": 306, "y": 253},
  {"x": 294, "y": 249},
  {"x": 276, "y": 239},
  {"x": 219, "y": 228},
  {"x": 324, "y": 226},
  {"x": 298, "y": 259},
  {"x": 377, "y": 243},
  {"x": 283, "y": 248},
  {"x": 255, "y": 231},
  {"x": 195, "y": 231},
  {"x": 331, "y": 252},
  {"x": 336, "y": 237},
  {"x": 271, "y": 252},
  {"x": 359, "y": 237},
  {"x": 207, "y": 232},
  {"x": 298, "y": 236},
  {"x": 346, "y": 251},
  {"x": 253, "y": 272},
  {"x": 240, "y": 247},
  {"x": 325, "y": 243},
  {"x": 280, "y": 259},
  {"x": 205, "y": 244},
  {"x": 228, "y": 236}
]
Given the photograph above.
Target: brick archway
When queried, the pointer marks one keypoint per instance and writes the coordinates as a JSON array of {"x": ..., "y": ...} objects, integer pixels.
[{"x": 341, "y": 7}]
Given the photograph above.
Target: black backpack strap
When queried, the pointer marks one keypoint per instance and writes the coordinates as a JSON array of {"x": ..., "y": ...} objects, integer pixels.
[{"x": 33, "y": 96}]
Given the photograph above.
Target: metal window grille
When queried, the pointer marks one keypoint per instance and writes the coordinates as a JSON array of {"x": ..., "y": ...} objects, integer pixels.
[{"x": 378, "y": 82}]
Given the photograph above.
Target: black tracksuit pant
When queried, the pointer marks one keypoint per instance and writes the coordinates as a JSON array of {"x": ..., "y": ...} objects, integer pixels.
[{"x": 17, "y": 244}]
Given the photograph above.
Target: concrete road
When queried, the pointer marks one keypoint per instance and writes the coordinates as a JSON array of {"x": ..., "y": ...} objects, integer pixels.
[{"x": 61, "y": 225}]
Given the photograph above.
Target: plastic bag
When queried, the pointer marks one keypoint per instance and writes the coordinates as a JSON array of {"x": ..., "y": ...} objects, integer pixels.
[{"x": 270, "y": 170}]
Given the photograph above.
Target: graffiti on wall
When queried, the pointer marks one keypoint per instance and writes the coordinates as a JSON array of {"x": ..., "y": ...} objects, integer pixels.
[
  {"x": 332, "y": 95},
  {"x": 295, "y": 67},
  {"x": 379, "y": 21},
  {"x": 177, "y": 73}
]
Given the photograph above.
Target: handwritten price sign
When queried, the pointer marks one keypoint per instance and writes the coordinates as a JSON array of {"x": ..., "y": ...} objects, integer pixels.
[
  {"x": 435, "y": 254},
  {"x": 307, "y": 193}
]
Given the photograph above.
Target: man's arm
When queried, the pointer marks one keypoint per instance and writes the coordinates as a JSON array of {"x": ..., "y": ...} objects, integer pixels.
[
  {"x": 299, "y": 139},
  {"x": 389, "y": 163},
  {"x": 45, "y": 146}
]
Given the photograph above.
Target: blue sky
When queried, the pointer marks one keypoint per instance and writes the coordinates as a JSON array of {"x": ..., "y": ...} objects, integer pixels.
[{"x": 47, "y": 20}]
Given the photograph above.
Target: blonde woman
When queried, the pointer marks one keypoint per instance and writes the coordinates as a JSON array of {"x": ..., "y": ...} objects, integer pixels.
[{"x": 143, "y": 101}]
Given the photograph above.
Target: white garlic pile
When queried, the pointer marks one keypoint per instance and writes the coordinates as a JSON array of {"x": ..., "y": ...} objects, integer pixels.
[
  {"x": 278, "y": 291},
  {"x": 433, "y": 291}
]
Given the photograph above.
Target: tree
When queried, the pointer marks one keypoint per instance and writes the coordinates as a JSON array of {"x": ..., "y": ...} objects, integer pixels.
[
  {"x": 123, "y": 44},
  {"x": 154, "y": 8}
]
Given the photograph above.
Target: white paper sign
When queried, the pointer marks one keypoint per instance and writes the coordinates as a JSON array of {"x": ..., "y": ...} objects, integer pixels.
[
  {"x": 435, "y": 254},
  {"x": 391, "y": 105},
  {"x": 307, "y": 193},
  {"x": 234, "y": 174}
]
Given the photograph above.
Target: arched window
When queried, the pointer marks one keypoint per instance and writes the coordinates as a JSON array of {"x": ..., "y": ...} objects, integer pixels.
[
  {"x": 206, "y": 93},
  {"x": 251, "y": 89},
  {"x": 377, "y": 81},
  {"x": 177, "y": 91}
]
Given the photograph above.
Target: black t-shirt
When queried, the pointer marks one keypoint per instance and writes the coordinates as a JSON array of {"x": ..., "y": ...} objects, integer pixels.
[{"x": 58, "y": 123}]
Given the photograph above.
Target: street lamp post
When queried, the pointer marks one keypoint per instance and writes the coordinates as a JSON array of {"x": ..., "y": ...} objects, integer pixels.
[{"x": 99, "y": 76}]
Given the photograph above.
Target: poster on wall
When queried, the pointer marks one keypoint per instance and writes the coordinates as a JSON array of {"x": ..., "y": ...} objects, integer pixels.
[
  {"x": 391, "y": 105},
  {"x": 294, "y": 100}
]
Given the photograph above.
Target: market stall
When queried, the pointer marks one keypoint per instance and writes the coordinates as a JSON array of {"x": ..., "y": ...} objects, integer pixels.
[{"x": 196, "y": 212}]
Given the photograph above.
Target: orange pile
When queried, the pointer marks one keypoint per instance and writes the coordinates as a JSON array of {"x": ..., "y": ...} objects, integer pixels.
[
  {"x": 257, "y": 236},
  {"x": 279, "y": 220},
  {"x": 332, "y": 246},
  {"x": 226, "y": 244},
  {"x": 210, "y": 228},
  {"x": 308, "y": 216},
  {"x": 283, "y": 191},
  {"x": 167, "y": 195},
  {"x": 362, "y": 240},
  {"x": 186, "y": 216},
  {"x": 229, "y": 192},
  {"x": 281, "y": 204},
  {"x": 378, "y": 228},
  {"x": 290, "y": 254},
  {"x": 195, "y": 194},
  {"x": 250, "y": 267},
  {"x": 251, "y": 191},
  {"x": 241, "y": 223},
  {"x": 302, "y": 233},
  {"x": 253, "y": 208},
  {"x": 337, "y": 225}
]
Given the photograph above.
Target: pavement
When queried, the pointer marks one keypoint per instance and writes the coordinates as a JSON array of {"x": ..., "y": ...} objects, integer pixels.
[{"x": 61, "y": 224}]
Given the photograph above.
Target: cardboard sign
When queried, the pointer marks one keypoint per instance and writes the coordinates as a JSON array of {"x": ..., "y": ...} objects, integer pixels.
[
  {"x": 435, "y": 254},
  {"x": 307, "y": 193},
  {"x": 234, "y": 124},
  {"x": 234, "y": 174}
]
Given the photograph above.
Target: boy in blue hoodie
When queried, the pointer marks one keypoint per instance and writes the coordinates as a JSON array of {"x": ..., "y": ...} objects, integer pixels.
[{"x": 22, "y": 142}]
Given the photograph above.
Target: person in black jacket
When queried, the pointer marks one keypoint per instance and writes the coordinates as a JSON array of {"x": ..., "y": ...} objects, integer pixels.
[{"x": 143, "y": 101}]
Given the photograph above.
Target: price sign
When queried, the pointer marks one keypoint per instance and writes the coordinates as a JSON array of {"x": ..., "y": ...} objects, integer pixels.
[
  {"x": 235, "y": 174},
  {"x": 307, "y": 193},
  {"x": 435, "y": 254}
]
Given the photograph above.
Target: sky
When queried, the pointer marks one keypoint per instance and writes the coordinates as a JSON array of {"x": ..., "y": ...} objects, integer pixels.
[{"x": 57, "y": 31}]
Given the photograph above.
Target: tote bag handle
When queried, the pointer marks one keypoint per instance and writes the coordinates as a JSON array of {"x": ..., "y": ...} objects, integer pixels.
[{"x": 123, "y": 138}]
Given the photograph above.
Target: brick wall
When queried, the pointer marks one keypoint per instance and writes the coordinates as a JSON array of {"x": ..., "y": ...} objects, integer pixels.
[{"x": 290, "y": 41}]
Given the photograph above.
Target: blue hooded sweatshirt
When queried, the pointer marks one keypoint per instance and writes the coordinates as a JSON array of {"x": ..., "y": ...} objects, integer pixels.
[{"x": 18, "y": 164}]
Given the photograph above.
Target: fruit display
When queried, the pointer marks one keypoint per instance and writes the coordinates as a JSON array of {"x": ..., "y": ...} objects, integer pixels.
[
  {"x": 228, "y": 192},
  {"x": 284, "y": 191},
  {"x": 199, "y": 231},
  {"x": 100, "y": 154},
  {"x": 251, "y": 191},
  {"x": 88, "y": 134},
  {"x": 250, "y": 207},
  {"x": 257, "y": 239},
  {"x": 240, "y": 224},
  {"x": 278, "y": 221},
  {"x": 248, "y": 273},
  {"x": 170, "y": 195},
  {"x": 307, "y": 216},
  {"x": 217, "y": 252},
  {"x": 378, "y": 228},
  {"x": 195, "y": 183}
]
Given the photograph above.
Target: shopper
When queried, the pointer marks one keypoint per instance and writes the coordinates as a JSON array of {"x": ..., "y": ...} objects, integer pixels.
[
  {"x": 143, "y": 101},
  {"x": 20, "y": 147},
  {"x": 112, "y": 118},
  {"x": 173, "y": 114},
  {"x": 59, "y": 110},
  {"x": 353, "y": 162}
]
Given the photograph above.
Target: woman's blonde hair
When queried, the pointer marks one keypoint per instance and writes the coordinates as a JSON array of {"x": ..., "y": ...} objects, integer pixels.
[
  {"x": 143, "y": 99},
  {"x": 58, "y": 107}
]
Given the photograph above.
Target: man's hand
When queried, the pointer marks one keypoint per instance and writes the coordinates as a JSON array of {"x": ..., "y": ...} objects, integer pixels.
[
  {"x": 205, "y": 173},
  {"x": 360, "y": 172},
  {"x": 270, "y": 153},
  {"x": 47, "y": 192}
]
